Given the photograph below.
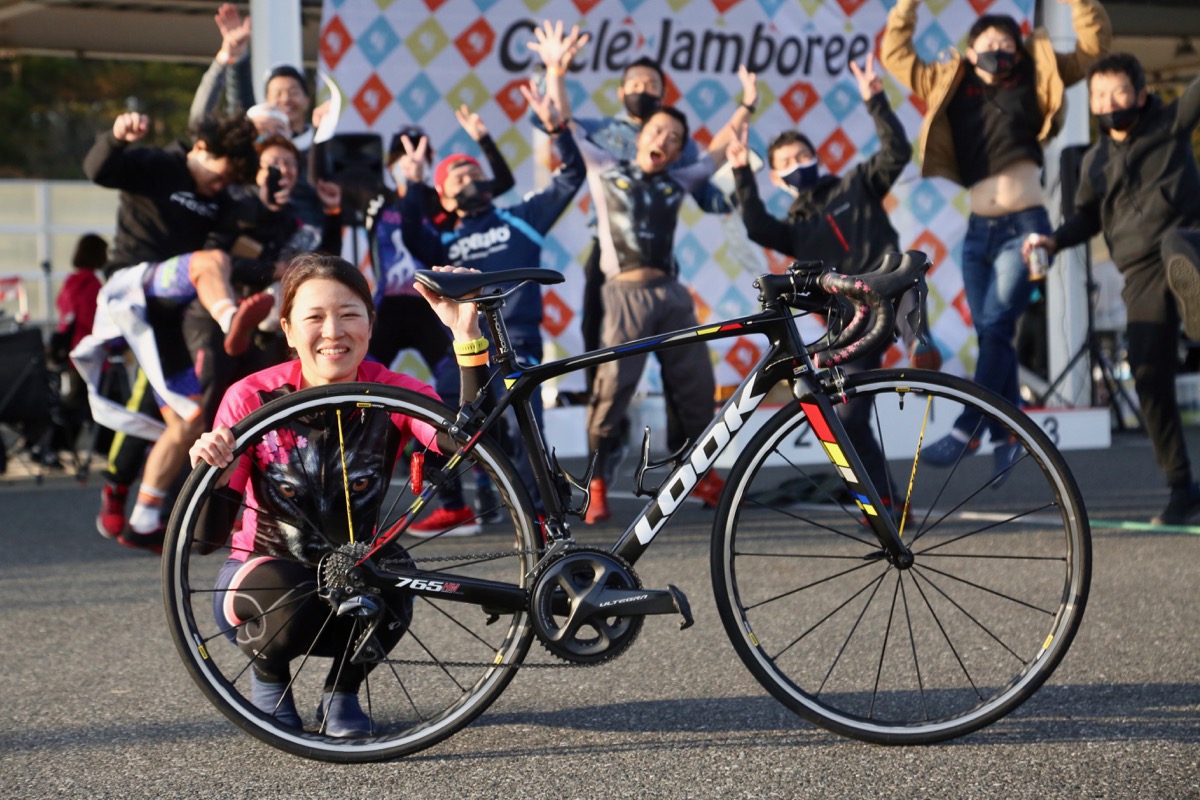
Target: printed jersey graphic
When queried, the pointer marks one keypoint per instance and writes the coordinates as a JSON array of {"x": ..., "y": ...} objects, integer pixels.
[{"x": 298, "y": 481}]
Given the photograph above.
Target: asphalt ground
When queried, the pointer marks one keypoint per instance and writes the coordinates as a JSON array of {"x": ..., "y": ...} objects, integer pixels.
[{"x": 96, "y": 703}]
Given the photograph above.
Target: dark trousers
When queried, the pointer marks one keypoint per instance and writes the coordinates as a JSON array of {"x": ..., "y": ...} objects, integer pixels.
[
  {"x": 591, "y": 320},
  {"x": 1153, "y": 335},
  {"x": 407, "y": 321}
]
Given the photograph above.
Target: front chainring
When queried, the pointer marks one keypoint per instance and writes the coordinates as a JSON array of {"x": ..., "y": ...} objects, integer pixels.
[{"x": 568, "y": 611}]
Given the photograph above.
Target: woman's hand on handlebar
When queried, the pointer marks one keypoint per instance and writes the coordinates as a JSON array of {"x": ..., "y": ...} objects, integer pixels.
[
  {"x": 461, "y": 318},
  {"x": 214, "y": 448}
]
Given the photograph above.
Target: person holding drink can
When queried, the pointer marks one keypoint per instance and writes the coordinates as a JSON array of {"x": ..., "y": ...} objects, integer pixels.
[{"x": 1140, "y": 186}]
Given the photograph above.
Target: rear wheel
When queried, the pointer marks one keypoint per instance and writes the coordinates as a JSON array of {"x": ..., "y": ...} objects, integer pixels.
[
  {"x": 903, "y": 656},
  {"x": 438, "y": 663}
]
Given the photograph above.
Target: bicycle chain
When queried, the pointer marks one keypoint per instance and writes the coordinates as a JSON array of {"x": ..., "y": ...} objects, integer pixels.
[
  {"x": 477, "y": 556},
  {"x": 411, "y": 662}
]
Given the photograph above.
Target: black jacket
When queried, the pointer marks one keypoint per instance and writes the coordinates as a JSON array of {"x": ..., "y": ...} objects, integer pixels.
[
  {"x": 841, "y": 220},
  {"x": 159, "y": 214},
  {"x": 1137, "y": 190},
  {"x": 281, "y": 235}
]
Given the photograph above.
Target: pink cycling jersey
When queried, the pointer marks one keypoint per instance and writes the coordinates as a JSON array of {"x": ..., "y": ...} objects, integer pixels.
[{"x": 283, "y": 475}]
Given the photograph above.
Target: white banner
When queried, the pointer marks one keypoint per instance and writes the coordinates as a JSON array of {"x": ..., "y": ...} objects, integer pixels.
[{"x": 405, "y": 61}]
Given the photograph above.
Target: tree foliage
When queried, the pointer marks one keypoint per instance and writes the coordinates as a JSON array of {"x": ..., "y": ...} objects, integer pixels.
[{"x": 54, "y": 107}]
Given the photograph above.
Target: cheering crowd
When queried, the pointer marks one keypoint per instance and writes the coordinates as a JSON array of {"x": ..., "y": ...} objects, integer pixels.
[{"x": 215, "y": 243}]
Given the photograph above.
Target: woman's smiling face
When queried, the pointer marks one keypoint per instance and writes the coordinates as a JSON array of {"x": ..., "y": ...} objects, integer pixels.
[{"x": 329, "y": 328}]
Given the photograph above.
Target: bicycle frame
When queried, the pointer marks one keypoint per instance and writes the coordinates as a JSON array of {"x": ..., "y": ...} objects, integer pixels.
[{"x": 787, "y": 357}]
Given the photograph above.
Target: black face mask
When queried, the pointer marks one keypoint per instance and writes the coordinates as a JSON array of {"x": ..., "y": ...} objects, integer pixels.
[
  {"x": 801, "y": 177},
  {"x": 641, "y": 105},
  {"x": 1120, "y": 120},
  {"x": 474, "y": 197},
  {"x": 996, "y": 62}
]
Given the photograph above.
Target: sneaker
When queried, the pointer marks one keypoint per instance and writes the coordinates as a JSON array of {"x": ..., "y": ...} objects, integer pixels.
[
  {"x": 1004, "y": 456},
  {"x": 345, "y": 719},
  {"x": 597, "y": 510},
  {"x": 446, "y": 522},
  {"x": 274, "y": 699},
  {"x": 1183, "y": 277},
  {"x": 144, "y": 541},
  {"x": 708, "y": 490},
  {"x": 111, "y": 522},
  {"x": 925, "y": 355},
  {"x": 488, "y": 508},
  {"x": 1181, "y": 507},
  {"x": 250, "y": 312},
  {"x": 948, "y": 449}
]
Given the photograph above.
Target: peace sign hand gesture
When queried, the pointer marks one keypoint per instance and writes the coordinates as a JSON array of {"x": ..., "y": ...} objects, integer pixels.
[
  {"x": 412, "y": 163},
  {"x": 869, "y": 84},
  {"x": 471, "y": 122},
  {"x": 737, "y": 153}
]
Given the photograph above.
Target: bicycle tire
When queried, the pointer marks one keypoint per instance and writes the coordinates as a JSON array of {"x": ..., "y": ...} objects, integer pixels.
[
  {"x": 837, "y": 634},
  {"x": 452, "y": 660}
]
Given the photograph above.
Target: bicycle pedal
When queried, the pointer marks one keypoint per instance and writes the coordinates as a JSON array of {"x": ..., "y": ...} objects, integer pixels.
[{"x": 682, "y": 606}]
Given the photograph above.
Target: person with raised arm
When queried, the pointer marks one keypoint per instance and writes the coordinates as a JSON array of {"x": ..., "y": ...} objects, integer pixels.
[
  {"x": 991, "y": 110},
  {"x": 637, "y": 206}
]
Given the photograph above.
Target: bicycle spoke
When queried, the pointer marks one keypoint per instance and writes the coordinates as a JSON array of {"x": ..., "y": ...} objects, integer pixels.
[
  {"x": 993, "y": 592},
  {"x": 883, "y": 645},
  {"x": 808, "y": 586},
  {"x": 850, "y": 635},
  {"x": 827, "y": 617}
]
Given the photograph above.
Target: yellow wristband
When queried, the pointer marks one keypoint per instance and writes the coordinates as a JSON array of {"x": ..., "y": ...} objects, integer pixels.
[
  {"x": 553, "y": 71},
  {"x": 471, "y": 348},
  {"x": 477, "y": 360}
]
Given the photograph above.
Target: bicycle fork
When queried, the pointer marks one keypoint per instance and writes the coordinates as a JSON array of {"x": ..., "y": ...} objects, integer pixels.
[{"x": 835, "y": 443}]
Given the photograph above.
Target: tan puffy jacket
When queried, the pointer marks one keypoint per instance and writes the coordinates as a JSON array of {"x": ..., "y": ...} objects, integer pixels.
[{"x": 935, "y": 83}]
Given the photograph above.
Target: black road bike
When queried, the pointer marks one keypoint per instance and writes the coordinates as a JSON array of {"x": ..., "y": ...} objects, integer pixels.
[{"x": 874, "y": 594}]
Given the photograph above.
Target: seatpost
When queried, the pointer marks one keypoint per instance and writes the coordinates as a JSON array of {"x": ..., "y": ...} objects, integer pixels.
[{"x": 495, "y": 321}]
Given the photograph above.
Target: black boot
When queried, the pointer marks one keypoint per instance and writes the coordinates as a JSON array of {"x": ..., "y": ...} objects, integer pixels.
[{"x": 1183, "y": 505}]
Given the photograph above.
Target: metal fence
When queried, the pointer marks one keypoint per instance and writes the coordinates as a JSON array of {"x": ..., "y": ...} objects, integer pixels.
[{"x": 40, "y": 222}]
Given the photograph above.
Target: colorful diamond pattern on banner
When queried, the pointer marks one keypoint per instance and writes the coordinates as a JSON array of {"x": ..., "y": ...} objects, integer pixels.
[{"x": 397, "y": 62}]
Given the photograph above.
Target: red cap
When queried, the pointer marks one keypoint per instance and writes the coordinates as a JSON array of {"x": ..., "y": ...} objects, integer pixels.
[{"x": 446, "y": 164}]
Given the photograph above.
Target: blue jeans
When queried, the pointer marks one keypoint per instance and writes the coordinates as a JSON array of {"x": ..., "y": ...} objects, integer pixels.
[{"x": 996, "y": 281}]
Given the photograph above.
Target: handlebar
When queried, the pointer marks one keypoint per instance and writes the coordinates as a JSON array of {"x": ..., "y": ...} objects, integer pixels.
[{"x": 809, "y": 286}]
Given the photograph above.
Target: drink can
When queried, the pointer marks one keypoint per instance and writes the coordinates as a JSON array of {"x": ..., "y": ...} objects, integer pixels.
[{"x": 1039, "y": 262}]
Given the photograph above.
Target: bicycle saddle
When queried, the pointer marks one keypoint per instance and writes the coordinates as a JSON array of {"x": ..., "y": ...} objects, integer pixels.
[{"x": 459, "y": 284}]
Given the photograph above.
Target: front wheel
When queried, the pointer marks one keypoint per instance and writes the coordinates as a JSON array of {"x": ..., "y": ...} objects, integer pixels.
[
  {"x": 1002, "y": 563},
  {"x": 334, "y": 468}
]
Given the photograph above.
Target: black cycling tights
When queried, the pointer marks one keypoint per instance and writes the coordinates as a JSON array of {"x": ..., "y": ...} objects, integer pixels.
[{"x": 282, "y": 613}]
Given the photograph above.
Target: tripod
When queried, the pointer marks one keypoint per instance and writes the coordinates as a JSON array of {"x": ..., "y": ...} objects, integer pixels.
[{"x": 1115, "y": 391}]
